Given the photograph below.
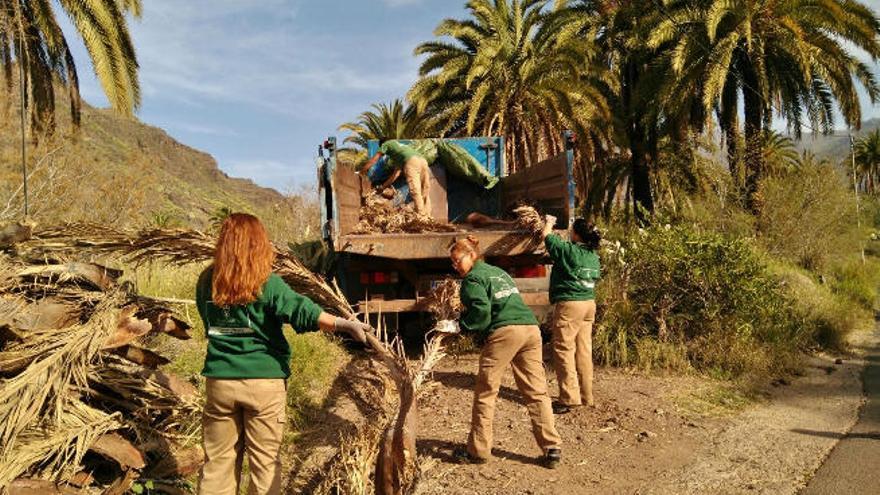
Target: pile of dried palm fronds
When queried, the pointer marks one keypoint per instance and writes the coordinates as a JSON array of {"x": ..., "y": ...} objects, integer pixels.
[
  {"x": 379, "y": 216},
  {"x": 528, "y": 219},
  {"x": 388, "y": 442},
  {"x": 177, "y": 246},
  {"x": 82, "y": 404},
  {"x": 148, "y": 412}
]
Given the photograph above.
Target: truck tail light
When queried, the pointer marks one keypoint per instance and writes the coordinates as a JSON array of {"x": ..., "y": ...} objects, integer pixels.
[
  {"x": 379, "y": 278},
  {"x": 534, "y": 271}
]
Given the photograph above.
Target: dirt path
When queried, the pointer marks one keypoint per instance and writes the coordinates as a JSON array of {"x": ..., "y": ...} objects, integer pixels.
[
  {"x": 638, "y": 440},
  {"x": 852, "y": 466},
  {"x": 632, "y": 436}
]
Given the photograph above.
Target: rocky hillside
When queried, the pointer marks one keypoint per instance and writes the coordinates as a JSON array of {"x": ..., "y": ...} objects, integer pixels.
[
  {"x": 835, "y": 146},
  {"x": 120, "y": 171}
]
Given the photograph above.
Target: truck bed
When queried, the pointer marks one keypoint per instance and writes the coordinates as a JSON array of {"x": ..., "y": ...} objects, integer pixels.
[{"x": 434, "y": 245}]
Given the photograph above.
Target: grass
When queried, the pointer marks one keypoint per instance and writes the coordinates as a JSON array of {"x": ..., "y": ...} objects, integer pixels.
[{"x": 719, "y": 398}]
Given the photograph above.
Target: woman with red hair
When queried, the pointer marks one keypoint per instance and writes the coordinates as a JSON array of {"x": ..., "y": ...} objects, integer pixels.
[{"x": 243, "y": 306}]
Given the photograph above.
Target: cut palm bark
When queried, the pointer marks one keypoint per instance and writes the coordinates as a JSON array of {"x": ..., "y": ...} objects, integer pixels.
[
  {"x": 73, "y": 378},
  {"x": 141, "y": 356},
  {"x": 114, "y": 447}
]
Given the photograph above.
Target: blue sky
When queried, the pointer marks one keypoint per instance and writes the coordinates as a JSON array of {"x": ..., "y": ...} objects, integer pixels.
[{"x": 259, "y": 84}]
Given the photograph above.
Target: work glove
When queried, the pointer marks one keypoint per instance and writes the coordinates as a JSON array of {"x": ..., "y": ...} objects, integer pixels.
[
  {"x": 355, "y": 329},
  {"x": 447, "y": 326}
]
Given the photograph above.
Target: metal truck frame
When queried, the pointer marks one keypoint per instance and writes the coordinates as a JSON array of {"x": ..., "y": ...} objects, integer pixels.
[{"x": 391, "y": 273}]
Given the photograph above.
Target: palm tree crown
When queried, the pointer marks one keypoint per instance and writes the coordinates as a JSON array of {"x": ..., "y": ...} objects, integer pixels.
[
  {"x": 499, "y": 76},
  {"x": 30, "y": 35}
]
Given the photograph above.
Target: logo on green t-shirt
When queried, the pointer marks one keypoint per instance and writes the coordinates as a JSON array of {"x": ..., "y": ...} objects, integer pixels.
[
  {"x": 225, "y": 321},
  {"x": 503, "y": 286}
]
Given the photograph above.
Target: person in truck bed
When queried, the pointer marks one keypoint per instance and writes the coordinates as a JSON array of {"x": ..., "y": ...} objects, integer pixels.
[
  {"x": 572, "y": 291},
  {"x": 494, "y": 308},
  {"x": 243, "y": 305},
  {"x": 407, "y": 160}
]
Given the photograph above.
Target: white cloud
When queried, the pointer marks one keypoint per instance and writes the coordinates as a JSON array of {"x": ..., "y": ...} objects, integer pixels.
[
  {"x": 204, "y": 129},
  {"x": 257, "y": 54}
]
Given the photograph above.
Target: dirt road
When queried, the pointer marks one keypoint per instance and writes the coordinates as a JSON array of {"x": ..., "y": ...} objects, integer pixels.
[
  {"x": 642, "y": 438},
  {"x": 854, "y": 465}
]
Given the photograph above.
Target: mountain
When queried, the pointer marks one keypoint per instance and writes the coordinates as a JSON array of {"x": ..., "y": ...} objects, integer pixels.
[
  {"x": 834, "y": 147},
  {"x": 118, "y": 171}
]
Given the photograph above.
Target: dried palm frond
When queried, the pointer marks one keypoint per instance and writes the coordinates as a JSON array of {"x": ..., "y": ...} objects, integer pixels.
[
  {"x": 54, "y": 451},
  {"x": 379, "y": 216},
  {"x": 443, "y": 302},
  {"x": 60, "y": 360},
  {"x": 151, "y": 410},
  {"x": 528, "y": 219}
]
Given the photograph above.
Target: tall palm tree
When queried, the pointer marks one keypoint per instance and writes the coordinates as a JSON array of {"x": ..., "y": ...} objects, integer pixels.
[
  {"x": 787, "y": 56},
  {"x": 30, "y": 36},
  {"x": 867, "y": 158},
  {"x": 614, "y": 29},
  {"x": 393, "y": 120},
  {"x": 499, "y": 76}
]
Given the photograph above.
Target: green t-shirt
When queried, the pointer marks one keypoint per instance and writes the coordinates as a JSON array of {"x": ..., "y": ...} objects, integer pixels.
[
  {"x": 575, "y": 270},
  {"x": 491, "y": 300},
  {"x": 397, "y": 153},
  {"x": 246, "y": 341}
]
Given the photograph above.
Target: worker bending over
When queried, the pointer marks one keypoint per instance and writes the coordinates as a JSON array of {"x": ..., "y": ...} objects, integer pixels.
[
  {"x": 407, "y": 160},
  {"x": 494, "y": 308}
]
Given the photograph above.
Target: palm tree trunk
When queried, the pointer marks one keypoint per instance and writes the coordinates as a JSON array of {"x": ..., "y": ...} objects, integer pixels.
[
  {"x": 754, "y": 119},
  {"x": 643, "y": 202},
  {"x": 729, "y": 122}
]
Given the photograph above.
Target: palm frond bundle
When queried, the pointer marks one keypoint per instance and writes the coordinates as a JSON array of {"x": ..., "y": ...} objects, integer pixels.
[
  {"x": 528, "y": 219},
  {"x": 379, "y": 216},
  {"x": 71, "y": 371}
]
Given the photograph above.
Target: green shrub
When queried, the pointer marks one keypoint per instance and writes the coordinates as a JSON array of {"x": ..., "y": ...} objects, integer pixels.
[
  {"x": 315, "y": 363},
  {"x": 827, "y": 317},
  {"x": 685, "y": 298},
  {"x": 809, "y": 217},
  {"x": 857, "y": 281}
]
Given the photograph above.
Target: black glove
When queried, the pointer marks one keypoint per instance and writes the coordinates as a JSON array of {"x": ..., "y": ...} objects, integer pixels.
[{"x": 355, "y": 329}]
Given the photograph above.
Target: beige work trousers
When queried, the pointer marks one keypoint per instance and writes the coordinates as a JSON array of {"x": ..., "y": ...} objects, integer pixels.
[
  {"x": 243, "y": 416},
  {"x": 573, "y": 351},
  {"x": 418, "y": 177},
  {"x": 520, "y": 347}
]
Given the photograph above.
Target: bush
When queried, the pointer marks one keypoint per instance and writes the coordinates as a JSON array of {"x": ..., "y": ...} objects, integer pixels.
[
  {"x": 315, "y": 363},
  {"x": 808, "y": 217},
  {"x": 826, "y": 316},
  {"x": 690, "y": 299},
  {"x": 857, "y": 281}
]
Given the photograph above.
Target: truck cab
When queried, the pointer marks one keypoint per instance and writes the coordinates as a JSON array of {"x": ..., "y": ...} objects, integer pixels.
[{"x": 392, "y": 273}]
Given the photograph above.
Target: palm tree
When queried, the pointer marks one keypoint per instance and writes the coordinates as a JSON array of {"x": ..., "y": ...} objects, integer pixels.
[
  {"x": 31, "y": 37},
  {"x": 779, "y": 153},
  {"x": 500, "y": 76},
  {"x": 393, "y": 120},
  {"x": 788, "y": 56},
  {"x": 867, "y": 158},
  {"x": 614, "y": 30}
]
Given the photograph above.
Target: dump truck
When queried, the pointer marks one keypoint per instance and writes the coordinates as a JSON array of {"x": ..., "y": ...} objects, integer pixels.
[{"x": 392, "y": 273}]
